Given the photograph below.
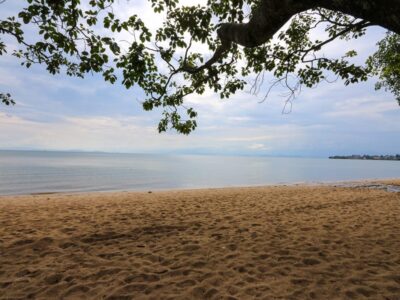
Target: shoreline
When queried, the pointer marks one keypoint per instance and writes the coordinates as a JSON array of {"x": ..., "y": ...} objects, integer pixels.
[{"x": 381, "y": 183}]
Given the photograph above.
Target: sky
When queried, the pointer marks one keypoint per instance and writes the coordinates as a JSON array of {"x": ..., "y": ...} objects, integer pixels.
[{"x": 70, "y": 114}]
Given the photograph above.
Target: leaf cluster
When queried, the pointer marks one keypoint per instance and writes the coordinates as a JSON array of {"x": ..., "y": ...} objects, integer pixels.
[
  {"x": 6, "y": 99},
  {"x": 385, "y": 63}
]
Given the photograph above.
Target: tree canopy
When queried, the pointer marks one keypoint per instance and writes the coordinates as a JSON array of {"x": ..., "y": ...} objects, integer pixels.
[{"x": 79, "y": 37}]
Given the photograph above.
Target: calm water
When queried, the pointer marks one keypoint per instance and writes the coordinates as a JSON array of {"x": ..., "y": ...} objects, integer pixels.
[{"x": 23, "y": 172}]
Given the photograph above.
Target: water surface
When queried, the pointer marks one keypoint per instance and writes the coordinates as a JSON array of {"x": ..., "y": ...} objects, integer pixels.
[{"x": 24, "y": 172}]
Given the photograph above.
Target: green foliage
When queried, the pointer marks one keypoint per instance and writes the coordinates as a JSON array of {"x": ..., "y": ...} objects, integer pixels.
[
  {"x": 65, "y": 38},
  {"x": 385, "y": 63},
  {"x": 80, "y": 38}
]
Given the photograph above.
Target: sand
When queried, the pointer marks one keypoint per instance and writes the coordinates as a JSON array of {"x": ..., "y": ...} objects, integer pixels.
[{"x": 293, "y": 242}]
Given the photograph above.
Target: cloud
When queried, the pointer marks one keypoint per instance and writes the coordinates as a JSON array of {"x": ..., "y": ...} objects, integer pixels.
[
  {"x": 74, "y": 133},
  {"x": 9, "y": 79},
  {"x": 258, "y": 147},
  {"x": 371, "y": 107},
  {"x": 130, "y": 134}
]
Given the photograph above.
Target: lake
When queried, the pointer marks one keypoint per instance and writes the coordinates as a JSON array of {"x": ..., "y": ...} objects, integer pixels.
[{"x": 25, "y": 172}]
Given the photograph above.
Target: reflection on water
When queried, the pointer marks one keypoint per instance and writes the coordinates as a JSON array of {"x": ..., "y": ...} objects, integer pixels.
[{"x": 24, "y": 172}]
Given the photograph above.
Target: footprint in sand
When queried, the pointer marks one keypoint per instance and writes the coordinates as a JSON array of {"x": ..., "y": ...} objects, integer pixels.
[
  {"x": 186, "y": 283},
  {"x": 311, "y": 261},
  {"x": 53, "y": 279},
  {"x": 22, "y": 242},
  {"x": 77, "y": 291}
]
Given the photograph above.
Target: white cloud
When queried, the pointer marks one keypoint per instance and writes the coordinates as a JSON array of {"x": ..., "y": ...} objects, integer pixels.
[
  {"x": 258, "y": 147},
  {"x": 131, "y": 135},
  {"x": 366, "y": 107},
  {"x": 9, "y": 79}
]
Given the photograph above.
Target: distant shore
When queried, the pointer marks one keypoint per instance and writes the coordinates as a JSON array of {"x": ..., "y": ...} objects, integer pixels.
[
  {"x": 286, "y": 242},
  {"x": 367, "y": 157}
]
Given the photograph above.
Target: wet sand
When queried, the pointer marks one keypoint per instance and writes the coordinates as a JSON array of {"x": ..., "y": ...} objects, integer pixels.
[{"x": 294, "y": 242}]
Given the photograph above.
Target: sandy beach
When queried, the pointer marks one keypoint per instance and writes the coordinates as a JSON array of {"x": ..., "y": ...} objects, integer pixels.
[{"x": 285, "y": 242}]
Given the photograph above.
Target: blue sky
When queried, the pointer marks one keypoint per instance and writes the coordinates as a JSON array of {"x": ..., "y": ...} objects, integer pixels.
[{"x": 63, "y": 113}]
